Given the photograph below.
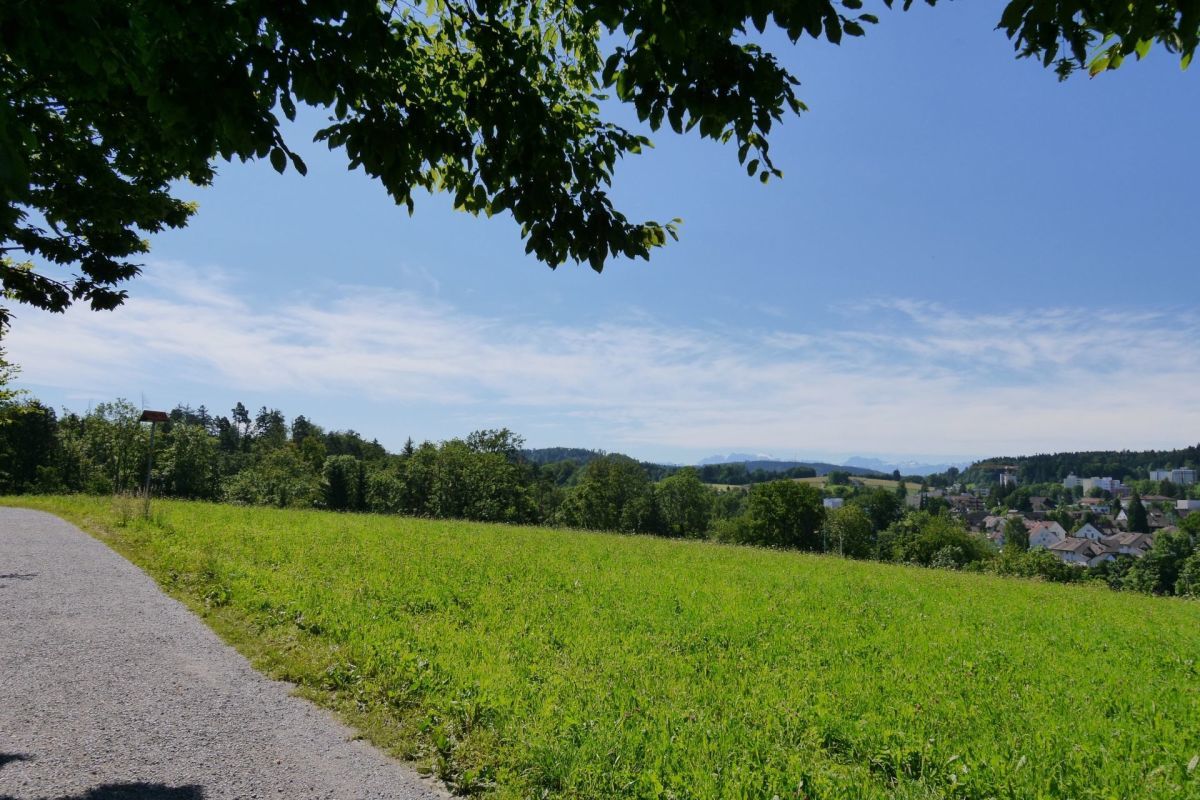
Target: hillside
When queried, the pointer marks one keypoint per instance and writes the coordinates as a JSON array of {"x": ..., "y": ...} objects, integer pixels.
[
  {"x": 820, "y": 467},
  {"x": 517, "y": 661},
  {"x": 549, "y": 455},
  {"x": 871, "y": 483},
  {"x": 1053, "y": 467}
]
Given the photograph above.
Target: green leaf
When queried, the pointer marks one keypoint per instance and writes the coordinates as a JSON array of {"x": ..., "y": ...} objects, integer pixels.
[{"x": 278, "y": 160}]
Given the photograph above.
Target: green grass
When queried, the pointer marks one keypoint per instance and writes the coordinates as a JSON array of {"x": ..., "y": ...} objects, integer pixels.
[
  {"x": 870, "y": 483},
  {"x": 525, "y": 662}
]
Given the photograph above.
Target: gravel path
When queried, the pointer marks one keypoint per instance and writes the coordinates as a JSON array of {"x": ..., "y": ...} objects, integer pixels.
[{"x": 110, "y": 690}]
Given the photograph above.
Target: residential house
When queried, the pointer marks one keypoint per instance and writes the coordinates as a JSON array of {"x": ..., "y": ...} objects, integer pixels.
[
  {"x": 1090, "y": 532},
  {"x": 1044, "y": 534},
  {"x": 993, "y": 522},
  {"x": 831, "y": 503},
  {"x": 1096, "y": 504},
  {"x": 974, "y": 520},
  {"x": 1080, "y": 552},
  {"x": 1041, "y": 505},
  {"x": 965, "y": 503},
  {"x": 1129, "y": 544}
]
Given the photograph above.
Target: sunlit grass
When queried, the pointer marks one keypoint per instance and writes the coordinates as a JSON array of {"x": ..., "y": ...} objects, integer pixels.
[{"x": 531, "y": 662}]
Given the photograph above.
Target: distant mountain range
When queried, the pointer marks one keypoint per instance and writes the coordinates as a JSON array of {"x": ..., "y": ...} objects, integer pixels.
[
  {"x": 1033, "y": 469},
  {"x": 905, "y": 467},
  {"x": 858, "y": 465},
  {"x": 765, "y": 462},
  {"x": 735, "y": 458}
]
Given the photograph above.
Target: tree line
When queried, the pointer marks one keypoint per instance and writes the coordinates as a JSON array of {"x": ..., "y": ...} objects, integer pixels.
[
  {"x": 260, "y": 459},
  {"x": 1125, "y": 465}
]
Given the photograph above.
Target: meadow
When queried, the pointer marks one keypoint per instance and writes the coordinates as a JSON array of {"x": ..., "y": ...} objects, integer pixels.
[
  {"x": 819, "y": 482},
  {"x": 870, "y": 483},
  {"x": 529, "y": 662}
]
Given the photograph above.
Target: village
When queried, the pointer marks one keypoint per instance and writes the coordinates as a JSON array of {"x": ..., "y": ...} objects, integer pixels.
[{"x": 1086, "y": 523}]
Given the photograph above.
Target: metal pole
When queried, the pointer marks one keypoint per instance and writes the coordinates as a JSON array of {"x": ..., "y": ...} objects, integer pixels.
[{"x": 149, "y": 469}]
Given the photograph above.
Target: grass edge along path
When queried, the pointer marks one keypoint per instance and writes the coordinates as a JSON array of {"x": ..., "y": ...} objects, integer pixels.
[{"x": 526, "y": 662}]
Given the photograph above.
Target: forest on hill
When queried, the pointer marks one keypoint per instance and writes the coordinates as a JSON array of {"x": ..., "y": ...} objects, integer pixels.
[{"x": 1125, "y": 465}]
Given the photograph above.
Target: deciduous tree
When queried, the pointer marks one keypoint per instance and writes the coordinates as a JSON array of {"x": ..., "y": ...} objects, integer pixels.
[
  {"x": 685, "y": 504},
  {"x": 107, "y": 105}
]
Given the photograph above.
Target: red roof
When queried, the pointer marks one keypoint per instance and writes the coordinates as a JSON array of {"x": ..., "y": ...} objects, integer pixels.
[{"x": 154, "y": 416}]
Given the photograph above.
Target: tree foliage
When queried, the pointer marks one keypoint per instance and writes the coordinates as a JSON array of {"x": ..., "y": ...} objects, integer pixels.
[
  {"x": 1138, "y": 520},
  {"x": 686, "y": 504},
  {"x": 849, "y": 532},
  {"x": 108, "y": 104},
  {"x": 1016, "y": 535},
  {"x": 781, "y": 514}
]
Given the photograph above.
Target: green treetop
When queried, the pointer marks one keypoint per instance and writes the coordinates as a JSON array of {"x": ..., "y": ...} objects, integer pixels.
[{"x": 107, "y": 104}]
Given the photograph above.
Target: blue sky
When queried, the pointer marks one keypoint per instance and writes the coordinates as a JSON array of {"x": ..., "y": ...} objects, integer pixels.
[{"x": 965, "y": 257}]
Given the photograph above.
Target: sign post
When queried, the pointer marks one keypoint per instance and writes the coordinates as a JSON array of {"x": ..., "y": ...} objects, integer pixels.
[{"x": 153, "y": 417}]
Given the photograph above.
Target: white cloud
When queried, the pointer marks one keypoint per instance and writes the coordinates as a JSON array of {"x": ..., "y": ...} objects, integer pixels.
[{"x": 901, "y": 376}]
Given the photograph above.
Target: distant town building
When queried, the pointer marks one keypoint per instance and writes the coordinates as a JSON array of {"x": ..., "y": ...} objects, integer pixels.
[
  {"x": 1187, "y": 506},
  {"x": 833, "y": 502},
  {"x": 1111, "y": 485},
  {"x": 1072, "y": 481},
  {"x": 1181, "y": 477}
]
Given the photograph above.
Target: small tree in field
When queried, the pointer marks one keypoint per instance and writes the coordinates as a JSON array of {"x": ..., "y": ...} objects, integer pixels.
[
  {"x": 685, "y": 504},
  {"x": 849, "y": 532},
  {"x": 783, "y": 514}
]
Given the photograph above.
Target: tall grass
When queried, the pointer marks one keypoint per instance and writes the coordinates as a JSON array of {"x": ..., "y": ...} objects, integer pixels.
[{"x": 525, "y": 662}]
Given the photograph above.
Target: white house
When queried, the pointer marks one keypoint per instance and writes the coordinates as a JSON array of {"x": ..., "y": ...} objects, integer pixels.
[
  {"x": 1187, "y": 506},
  {"x": 1090, "y": 532},
  {"x": 1044, "y": 534},
  {"x": 1079, "y": 552},
  {"x": 1071, "y": 481},
  {"x": 993, "y": 522},
  {"x": 833, "y": 502}
]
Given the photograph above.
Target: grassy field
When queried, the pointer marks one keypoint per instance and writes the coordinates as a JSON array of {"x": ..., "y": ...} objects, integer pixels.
[
  {"x": 524, "y": 662},
  {"x": 819, "y": 482},
  {"x": 870, "y": 483}
]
